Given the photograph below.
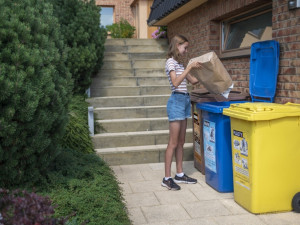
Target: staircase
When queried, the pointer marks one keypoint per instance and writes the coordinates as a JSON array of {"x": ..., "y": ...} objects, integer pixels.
[{"x": 129, "y": 97}]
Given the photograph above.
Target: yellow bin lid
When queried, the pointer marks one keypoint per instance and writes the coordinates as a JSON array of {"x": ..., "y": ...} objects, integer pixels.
[{"x": 253, "y": 111}]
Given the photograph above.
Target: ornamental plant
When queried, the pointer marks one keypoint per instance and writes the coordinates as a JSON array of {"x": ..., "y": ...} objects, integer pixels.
[
  {"x": 22, "y": 207},
  {"x": 122, "y": 29},
  {"x": 35, "y": 89},
  {"x": 161, "y": 32}
]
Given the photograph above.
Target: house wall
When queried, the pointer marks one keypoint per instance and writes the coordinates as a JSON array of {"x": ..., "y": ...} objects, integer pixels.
[{"x": 202, "y": 27}]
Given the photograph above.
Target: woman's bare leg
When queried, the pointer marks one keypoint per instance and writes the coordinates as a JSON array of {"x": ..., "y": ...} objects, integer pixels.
[
  {"x": 174, "y": 131},
  {"x": 179, "y": 149}
]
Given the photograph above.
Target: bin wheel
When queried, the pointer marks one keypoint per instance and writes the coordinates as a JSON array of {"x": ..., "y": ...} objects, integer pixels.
[{"x": 296, "y": 202}]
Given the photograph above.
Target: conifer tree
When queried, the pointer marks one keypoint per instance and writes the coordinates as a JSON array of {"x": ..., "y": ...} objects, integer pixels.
[
  {"x": 80, "y": 23},
  {"x": 35, "y": 87}
]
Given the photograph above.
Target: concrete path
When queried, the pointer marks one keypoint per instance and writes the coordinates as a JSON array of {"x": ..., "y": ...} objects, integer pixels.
[{"x": 195, "y": 204}]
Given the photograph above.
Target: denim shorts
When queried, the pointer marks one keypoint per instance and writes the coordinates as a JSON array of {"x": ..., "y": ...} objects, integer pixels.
[{"x": 179, "y": 107}]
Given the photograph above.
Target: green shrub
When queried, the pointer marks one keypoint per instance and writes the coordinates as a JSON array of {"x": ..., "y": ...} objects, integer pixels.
[
  {"x": 77, "y": 135},
  {"x": 84, "y": 185},
  {"x": 35, "y": 87},
  {"x": 80, "y": 26},
  {"x": 123, "y": 29}
]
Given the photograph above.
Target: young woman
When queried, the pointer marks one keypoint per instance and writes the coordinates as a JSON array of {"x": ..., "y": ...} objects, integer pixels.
[{"x": 178, "y": 109}]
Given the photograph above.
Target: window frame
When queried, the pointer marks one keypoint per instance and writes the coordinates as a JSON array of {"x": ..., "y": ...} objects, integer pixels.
[{"x": 244, "y": 51}]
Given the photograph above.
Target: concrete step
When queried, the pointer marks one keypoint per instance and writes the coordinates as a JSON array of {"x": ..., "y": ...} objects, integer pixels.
[
  {"x": 121, "y": 64},
  {"x": 143, "y": 42},
  {"x": 115, "y": 56},
  {"x": 131, "y": 41},
  {"x": 134, "y": 64},
  {"x": 125, "y": 139},
  {"x": 122, "y": 101},
  {"x": 140, "y": 154},
  {"x": 148, "y": 55},
  {"x": 136, "y": 124},
  {"x": 100, "y": 90},
  {"x": 108, "y": 56},
  {"x": 129, "y": 81},
  {"x": 130, "y": 112},
  {"x": 135, "y": 48},
  {"x": 157, "y": 72},
  {"x": 149, "y": 63}
]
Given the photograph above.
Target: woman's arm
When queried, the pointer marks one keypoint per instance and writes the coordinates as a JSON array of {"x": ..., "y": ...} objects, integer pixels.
[
  {"x": 192, "y": 79},
  {"x": 177, "y": 80}
]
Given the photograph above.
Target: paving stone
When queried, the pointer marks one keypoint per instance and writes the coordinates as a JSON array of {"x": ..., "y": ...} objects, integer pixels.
[
  {"x": 207, "y": 193},
  {"x": 159, "y": 223},
  {"x": 198, "y": 221},
  {"x": 233, "y": 206},
  {"x": 129, "y": 174},
  {"x": 136, "y": 216},
  {"x": 157, "y": 166},
  {"x": 206, "y": 209},
  {"x": 173, "y": 197},
  {"x": 117, "y": 169},
  {"x": 284, "y": 218},
  {"x": 153, "y": 175},
  {"x": 125, "y": 187},
  {"x": 136, "y": 167},
  {"x": 141, "y": 199},
  {"x": 165, "y": 213},
  {"x": 239, "y": 220},
  {"x": 146, "y": 186}
]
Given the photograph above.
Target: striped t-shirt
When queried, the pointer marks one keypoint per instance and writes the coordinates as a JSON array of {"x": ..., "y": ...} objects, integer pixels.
[{"x": 172, "y": 64}]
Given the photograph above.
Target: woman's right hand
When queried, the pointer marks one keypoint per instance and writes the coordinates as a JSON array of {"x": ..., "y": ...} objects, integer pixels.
[{"x": 194, "y": 65}]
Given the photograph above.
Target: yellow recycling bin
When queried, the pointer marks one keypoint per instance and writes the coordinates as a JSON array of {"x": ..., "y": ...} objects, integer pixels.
[{"x": 266, "y": 156}]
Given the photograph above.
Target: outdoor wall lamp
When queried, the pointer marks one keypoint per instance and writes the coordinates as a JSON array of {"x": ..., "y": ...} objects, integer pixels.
[{"x": 293, "y": 4}]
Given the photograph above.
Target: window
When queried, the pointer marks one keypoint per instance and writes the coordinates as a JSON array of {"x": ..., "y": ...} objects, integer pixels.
[
  {"x": 106, "y": 16},
  {"x": 240, "y": 32}
]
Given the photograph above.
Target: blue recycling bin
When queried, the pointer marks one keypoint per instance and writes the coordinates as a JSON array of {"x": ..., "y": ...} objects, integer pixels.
[{"x": 217, "y": 145}]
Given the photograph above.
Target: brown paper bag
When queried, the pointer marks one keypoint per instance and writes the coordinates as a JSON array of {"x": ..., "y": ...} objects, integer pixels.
[{"x": 213, "y": 74}]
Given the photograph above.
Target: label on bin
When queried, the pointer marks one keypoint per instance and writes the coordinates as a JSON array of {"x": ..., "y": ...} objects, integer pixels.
[
  {"x": 240, "y": 162},
  {"x": 197, "y": 145},
  {"x": 196, "y": 125},
  {"x": 209, "y": 141}
]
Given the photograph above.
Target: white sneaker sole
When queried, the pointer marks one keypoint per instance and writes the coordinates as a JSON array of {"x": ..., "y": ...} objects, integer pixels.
[
  {"x": 183, "y": 182},
  {"x": 173, "y": 189}
]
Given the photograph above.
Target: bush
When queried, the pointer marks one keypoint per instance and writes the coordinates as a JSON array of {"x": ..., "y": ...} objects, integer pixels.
[
  {"x": 35, "y": 87},
  {"x": 80, "y": 25},
  {"x": 84, "y": 185},
  {"x": 77, "y": 136},
  {"x": 22, "y": 207},
  {"x": 123, "y": 29}
]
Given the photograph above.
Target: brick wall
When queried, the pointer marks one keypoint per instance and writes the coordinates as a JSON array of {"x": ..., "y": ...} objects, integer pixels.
[
  {"x": 121, "y": 9},
  {"x": 286, "y": 30},
  {"x": 202, "y": 27}
]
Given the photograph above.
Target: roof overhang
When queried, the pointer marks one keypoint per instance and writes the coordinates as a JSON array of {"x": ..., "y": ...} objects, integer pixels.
[{"x": 189, "y": 6}]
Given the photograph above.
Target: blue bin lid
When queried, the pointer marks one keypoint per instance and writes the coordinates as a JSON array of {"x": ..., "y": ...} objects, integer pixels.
[
  {"x": 264, "y": 64},
  {"x": 216, "y": 107}
]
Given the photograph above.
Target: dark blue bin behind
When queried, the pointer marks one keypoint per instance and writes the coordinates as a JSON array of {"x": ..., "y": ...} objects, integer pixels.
[
  {"x": 217, "y": 149},
  {"x": 264, "y": 64}
]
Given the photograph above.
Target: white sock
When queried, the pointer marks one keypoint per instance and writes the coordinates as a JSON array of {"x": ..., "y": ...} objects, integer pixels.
[
  {"x": 180, "y": 174},
  {"x": 167, "y": 178}
]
